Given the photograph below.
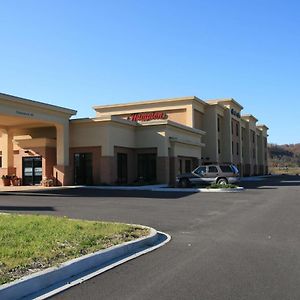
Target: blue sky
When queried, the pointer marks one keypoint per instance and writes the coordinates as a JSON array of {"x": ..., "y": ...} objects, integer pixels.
[{"x": 83, "y": 53}]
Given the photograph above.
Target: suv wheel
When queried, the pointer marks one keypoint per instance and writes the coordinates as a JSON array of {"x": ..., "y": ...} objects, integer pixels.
[
  {"x": 184, "y": 183},
  {"x": 222, "y": 181}
]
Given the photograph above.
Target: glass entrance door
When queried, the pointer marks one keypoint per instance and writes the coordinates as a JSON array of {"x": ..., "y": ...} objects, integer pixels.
[
  {"x": 32, "y": 170},
  {"x": 83, "y": 168}
]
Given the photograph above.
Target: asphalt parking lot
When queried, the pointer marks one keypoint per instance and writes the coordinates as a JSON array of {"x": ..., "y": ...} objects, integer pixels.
[{"x": 224, "y": 246}]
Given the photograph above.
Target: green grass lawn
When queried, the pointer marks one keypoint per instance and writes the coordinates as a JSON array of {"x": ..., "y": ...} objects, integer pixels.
[{"x": 29, "y": 243}]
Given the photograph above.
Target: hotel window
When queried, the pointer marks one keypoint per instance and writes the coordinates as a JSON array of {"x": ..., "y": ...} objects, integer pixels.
[
  {"x": 237, "y": 149},
  {"x": 232, "y": 127},
  {"x": 188, "y": 166},
  {"x": 219, "y": 146},
  {"x": 122, "y": 167},
  {"x": 146, "y": 166},
  {"x": 218, "y": 124},
  {"x": 83, "y": 168},
  {"x": 237, "y": 129},
  {"x": 180, "y": 166}
]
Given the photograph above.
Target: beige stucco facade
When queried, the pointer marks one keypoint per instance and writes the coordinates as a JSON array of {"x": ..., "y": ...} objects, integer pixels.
[{"x": 149, "y": 141}]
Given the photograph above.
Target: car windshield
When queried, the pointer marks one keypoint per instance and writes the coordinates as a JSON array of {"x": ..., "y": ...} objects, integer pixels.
[{"x": 200, "y": 170}]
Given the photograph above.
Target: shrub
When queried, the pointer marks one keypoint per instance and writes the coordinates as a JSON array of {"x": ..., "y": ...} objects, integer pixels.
[{"x": 222, "y": 186}]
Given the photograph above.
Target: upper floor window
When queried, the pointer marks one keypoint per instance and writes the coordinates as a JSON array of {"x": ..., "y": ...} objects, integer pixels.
[
  {"x": 237, "y": 127},
  {"x": 219, "y": 146},
  {"x": 218, "y": 124}
]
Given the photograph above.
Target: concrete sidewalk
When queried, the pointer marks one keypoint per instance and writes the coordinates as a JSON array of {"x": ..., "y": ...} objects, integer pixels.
[{"x": 30, "y": 188}]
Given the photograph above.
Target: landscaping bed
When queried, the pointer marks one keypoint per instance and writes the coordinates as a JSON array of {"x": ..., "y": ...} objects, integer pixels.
[
  {"x": 30, "y": 243},
  {"x": 222, "y": 186}
]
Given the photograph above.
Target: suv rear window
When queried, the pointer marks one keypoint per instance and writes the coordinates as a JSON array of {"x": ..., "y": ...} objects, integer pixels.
[{"x": 226, "y": 169}]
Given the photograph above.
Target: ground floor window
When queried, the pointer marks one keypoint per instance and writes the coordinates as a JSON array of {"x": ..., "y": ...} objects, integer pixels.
[
  {"x": 32, "y": 170},
  {"x": 188, "y": 166},
  {"x": 180, "y": 166},
  {"x": 83, "y": 168},
  {"x": 122, "y": 167},
  {"x": 147, "y": 167}
]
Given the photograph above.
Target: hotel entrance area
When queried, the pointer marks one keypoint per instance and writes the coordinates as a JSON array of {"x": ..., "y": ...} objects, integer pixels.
[{"x": 34, "y": 142}]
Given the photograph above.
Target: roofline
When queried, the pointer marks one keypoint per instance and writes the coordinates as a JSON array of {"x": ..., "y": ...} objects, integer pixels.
[
  {"x": 216, "y": 104},
  {"x": 249, "y": 116},
  {"x": 153, "y": 101},
  {"x": 262, "y": 126},
  {"x": 38, "y": 104},
  {"x": 213, "y": 101}
]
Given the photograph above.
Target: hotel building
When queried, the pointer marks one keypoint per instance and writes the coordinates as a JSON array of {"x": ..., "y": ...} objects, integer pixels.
[{"x": 150, "y": 141}]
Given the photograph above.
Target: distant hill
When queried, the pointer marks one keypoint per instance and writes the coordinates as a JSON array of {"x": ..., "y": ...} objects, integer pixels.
[{"x": 284, "y": 155}]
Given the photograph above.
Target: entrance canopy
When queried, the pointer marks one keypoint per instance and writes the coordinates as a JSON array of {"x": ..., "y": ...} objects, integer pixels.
[
  {"x": 16, "y": 111},
  {"x": 32, "y": 123}
]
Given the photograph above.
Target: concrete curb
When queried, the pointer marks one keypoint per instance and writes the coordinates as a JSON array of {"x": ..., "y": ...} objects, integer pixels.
[
  {"x": 128, "y": 188},
  {"x": 195, "y": 190},
  {"x": 150, "y": 188},
  {"x": 51, "y": 281},
  {"x": 165, "y": 188}
]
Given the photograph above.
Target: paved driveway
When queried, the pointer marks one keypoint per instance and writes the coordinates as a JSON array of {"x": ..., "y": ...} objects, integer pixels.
[{"x": 225, "y": 246}]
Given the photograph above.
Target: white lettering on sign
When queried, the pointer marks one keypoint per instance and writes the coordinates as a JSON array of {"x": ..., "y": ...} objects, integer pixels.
[{"x": 157, "y": 115}]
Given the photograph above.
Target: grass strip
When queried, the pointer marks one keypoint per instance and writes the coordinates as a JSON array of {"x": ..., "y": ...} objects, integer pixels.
[{"x": 30, "y": 243}]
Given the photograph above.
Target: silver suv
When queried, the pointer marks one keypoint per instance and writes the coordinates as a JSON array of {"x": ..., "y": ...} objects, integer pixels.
[{"x": 221, "y": 174}]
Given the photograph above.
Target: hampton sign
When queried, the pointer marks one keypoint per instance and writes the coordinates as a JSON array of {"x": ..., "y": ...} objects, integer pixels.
[{"x": 157, "y": 115}]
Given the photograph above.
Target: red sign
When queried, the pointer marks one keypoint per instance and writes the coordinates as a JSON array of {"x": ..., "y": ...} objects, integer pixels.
[{"x": 158, "y": 115}]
